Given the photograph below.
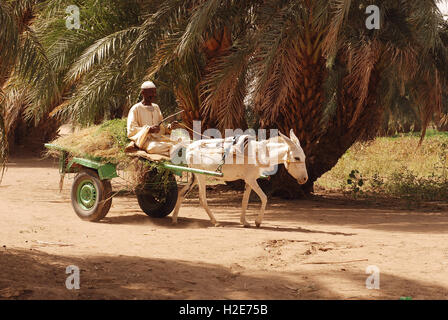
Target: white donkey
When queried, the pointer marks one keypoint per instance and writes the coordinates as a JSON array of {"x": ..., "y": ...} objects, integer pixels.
[{"x": 280, "y": 150}]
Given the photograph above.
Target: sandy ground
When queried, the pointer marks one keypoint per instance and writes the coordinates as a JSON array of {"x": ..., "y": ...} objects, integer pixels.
[{"x": 314, "y": 249}]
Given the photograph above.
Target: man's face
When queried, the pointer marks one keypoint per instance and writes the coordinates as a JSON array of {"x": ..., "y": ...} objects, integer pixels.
[{"x": 149, "y": 95}]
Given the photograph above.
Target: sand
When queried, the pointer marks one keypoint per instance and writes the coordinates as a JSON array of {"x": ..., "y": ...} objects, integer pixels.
[{"x": 312, "y": 249}]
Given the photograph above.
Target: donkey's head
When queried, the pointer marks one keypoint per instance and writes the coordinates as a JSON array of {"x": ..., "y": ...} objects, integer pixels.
[{"x": 295, "y": 158}]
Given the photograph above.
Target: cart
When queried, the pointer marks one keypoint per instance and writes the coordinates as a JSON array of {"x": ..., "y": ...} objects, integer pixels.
[{"x": 91, "y": 190}]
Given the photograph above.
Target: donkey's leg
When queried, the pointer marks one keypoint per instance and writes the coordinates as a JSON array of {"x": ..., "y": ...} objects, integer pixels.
[
  {"x": 245, "y": 203},
  {"x": 181, "y": 196},
  {"x": 203, "y": 199},
  {"x": 263, "y": 198}
]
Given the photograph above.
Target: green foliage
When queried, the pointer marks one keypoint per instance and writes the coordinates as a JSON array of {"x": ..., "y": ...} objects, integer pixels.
[
  {"x": 355, "y": 182},
  {"x": 408, "y": 185},
  {"x": 117, "y": 129},
  {"x": 94, "y": 73},
  {"x": 151, "y": 177},
  {"x": 106, "y": 141},
  {"x": 431, "y": 133},
  {"x": 394, "y": 167},
  {"x": 405, "y": 298}
]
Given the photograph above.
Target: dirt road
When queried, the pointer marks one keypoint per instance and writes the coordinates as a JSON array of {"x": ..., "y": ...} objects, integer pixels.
[{"x": 317, "y": 249}]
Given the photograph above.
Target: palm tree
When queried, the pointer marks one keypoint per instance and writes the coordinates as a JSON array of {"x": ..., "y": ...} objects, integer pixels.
[
  {"x": 46, "y": 68},
  {"x": 7, "y": 35},
  {"x": 198, "y": 49},
  {"x": 23, "y": 63},
  {"x": 92, "y": 88},
  {"x": 407, "y": 50},
  {"x": 158, "y": 40},
  {"x": 14, "y": 17},
  {"x": 318, "y": 70},
  {"x": 311, "y": 66}
]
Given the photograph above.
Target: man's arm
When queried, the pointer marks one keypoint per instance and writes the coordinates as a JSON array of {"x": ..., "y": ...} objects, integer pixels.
[
  {"x": 160, "y": 128},
  {"x": 133, "y": 127}
]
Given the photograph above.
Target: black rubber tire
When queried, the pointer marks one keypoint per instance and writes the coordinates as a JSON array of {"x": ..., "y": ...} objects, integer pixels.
[
  {"x": 153, "y": 206},
  {"x": 107, "y": 195},
  {"x": 100, "y": 208}
]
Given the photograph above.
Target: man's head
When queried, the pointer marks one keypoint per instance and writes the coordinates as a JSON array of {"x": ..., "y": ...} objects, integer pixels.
[{"x": 149, "y": 92}]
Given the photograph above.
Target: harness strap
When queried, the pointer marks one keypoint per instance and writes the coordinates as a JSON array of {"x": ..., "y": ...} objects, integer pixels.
[{"x": 227, "y": 151}]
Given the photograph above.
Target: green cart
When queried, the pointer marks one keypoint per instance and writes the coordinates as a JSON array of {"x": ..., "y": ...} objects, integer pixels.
[{"x": 92, "y": 194}]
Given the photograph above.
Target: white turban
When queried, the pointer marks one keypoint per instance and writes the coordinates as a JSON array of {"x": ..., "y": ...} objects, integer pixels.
[{"x": 148, "y": 85}]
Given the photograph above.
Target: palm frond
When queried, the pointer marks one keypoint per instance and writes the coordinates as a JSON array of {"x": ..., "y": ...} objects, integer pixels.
[
  {"x": 32, "y": 66},
  {"x": 225, "y": 88},
  {"x": 198, "y": 24},
  {"x": 9, "y": 34},
  {"x": 340, "y": 12},
  {"x": 99, "y": 93},
  {"x": 101, "y": 50},
  {"x": 362, "y": 62}
]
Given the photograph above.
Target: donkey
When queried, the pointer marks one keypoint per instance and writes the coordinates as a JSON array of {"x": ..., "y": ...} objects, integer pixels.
[{"x": 280, "y": 150}]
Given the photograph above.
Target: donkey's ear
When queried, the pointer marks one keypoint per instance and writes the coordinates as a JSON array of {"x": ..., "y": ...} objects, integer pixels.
[
  {"x": 288, "y": 141},
  {"x": 293, "y": 137},
  {"x": 283, "y": 136}
]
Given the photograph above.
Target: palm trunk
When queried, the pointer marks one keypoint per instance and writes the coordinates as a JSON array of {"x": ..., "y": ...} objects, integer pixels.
[
  {"x": 29, "y": 137},
  {"x": 303, "y": 110},
  {"x": 339, "y": 137},
  {"x": 324, "y": 150},
  {"x": 215, "y": 48},
  {"x": 191, "y": 112}
]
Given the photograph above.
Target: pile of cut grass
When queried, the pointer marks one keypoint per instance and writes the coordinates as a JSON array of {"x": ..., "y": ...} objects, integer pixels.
[
  {"x": 105, "y": 142},
  {"x": 394, "y": 167}
]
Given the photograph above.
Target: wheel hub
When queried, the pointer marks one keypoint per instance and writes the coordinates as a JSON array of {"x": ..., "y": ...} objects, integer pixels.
[{"x": 87, "y": 195}]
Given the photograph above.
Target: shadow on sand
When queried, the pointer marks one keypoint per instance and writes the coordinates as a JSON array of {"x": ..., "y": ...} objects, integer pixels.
[{"x": 38, "y": 275}]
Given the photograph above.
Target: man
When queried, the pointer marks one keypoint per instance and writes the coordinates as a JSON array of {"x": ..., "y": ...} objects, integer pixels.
[{"x": 144, "y": 125}]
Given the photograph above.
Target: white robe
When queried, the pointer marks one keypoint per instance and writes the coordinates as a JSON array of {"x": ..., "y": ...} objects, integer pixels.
[{"x": 142, "y": 117}]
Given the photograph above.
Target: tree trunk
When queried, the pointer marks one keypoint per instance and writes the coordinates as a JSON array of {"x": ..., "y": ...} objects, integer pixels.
[
  {"x": 302, "y": 111},
  {"x": 25, "y": 136},
  {"x": 340, "y": 136},
  {"x": 323, "y": 154}
]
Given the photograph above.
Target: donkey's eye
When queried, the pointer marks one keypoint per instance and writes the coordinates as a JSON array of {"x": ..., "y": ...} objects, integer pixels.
[{"x": 297, "y": 159}]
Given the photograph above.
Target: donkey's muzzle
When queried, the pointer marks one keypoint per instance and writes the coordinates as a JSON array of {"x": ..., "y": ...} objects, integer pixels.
[{"x": 302, "y": 180}]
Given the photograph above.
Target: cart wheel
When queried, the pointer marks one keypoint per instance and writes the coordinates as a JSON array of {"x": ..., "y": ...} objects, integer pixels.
[
  {"x": 88, "y": 195},
  {"x": 107, "y": 195},
  {"x": 156, "y": 200}
]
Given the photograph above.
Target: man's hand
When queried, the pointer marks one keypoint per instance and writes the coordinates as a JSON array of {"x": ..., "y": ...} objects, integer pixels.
[
  {"x": 174, "y": 125},
  {"x": 154, "y": 129}
]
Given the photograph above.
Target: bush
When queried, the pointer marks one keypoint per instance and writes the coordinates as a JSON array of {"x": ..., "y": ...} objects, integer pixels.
[{"x": 393, "y": 167}]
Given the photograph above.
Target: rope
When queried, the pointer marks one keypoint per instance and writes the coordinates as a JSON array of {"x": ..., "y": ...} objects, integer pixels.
[{"x": 186, "y": 127}]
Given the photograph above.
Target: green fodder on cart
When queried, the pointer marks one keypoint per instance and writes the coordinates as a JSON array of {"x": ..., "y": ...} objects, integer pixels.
[
  {"x": 148, "y": 176},
  {"x": 106, "y": 141}
]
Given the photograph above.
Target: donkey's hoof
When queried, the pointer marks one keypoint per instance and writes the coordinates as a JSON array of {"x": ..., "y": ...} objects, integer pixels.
[
  {"x": 258, "y": 224},
  {"x": 173, "y": 222},
  {"x": 246, "y": 224},
  {"x": 217, "y": 224}
]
